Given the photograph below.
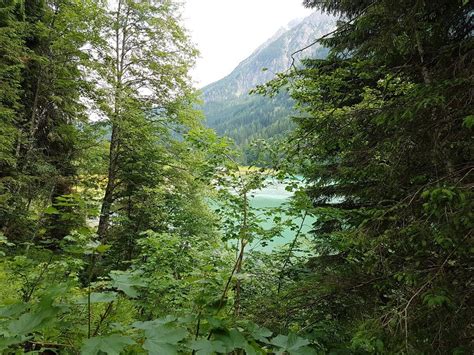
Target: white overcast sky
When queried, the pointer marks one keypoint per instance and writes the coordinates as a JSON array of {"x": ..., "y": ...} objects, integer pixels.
[{"x": 228, "y": 31}]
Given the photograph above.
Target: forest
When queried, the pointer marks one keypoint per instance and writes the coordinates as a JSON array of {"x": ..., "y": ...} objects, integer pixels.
[{"x": 127, "y": 226}]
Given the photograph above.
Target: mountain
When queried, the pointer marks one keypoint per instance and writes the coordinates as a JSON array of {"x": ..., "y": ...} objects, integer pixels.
[
  {"x": 274, "y": 55},
  {"x": 228, "y": 107}
]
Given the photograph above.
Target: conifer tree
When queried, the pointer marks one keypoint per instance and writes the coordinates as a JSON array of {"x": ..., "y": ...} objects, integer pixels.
[
  {"x": 386, "y": 140},
  {"x": 41, "y": 102}
]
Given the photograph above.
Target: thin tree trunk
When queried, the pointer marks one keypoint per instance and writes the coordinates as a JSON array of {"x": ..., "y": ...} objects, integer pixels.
[
  {"x": 109, "y": 197},
  {"x": 34, "y": 108},
  {"x": 421, "y": 52},
  {"x": 110, "y": 188},
  {"x": 243, "y": 243}
]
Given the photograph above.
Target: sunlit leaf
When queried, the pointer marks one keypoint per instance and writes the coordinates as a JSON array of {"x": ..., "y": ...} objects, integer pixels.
[{"x": 51, "y": 210}]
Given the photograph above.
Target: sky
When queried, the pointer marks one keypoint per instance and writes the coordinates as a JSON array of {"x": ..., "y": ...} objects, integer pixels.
[{"x": 228, "y": 31}]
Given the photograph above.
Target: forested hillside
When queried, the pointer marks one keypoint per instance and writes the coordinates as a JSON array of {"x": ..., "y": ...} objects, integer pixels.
[
  {"x": 230, "y": 109},
  {"x": 127, "y": 227},
  {"x": 251, "y": 117}
]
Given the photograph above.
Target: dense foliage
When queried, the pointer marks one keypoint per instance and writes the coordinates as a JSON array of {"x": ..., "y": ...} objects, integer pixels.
[
  {"x": 108, "y": 240},
  {"x": 127, "y": 227},
  {"x": 385, "y": 139},
  {"x": 251, "y": 118}
]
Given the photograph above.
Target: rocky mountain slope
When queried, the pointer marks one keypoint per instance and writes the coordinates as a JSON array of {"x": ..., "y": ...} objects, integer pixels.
[
  {"x": 274, "y": 55},
  {"x": 228, "y": 107}
]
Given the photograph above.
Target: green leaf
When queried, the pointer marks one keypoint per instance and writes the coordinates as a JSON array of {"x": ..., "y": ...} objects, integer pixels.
[
  {"x": 469, "y": 121},
  {"x": 162, "y": 339},
  {"x": 111, "y": 345},
  {"x": 232, "y": 340},
  {"x": 43, "y": 313},
  {"x": 207, "y": 347},
  {"x": 379, "y": 346},
  {"x": 8, "y": 341},
  {"x": 435, "y": 300},
  {"x": 101, "y": 249},
  {"x": 26, "y": 324},
  {"x": 159, "y": 348},
  {"x": 91, "y": 247},
  {"x": 154, "y": 323},
  {"x": 33, "y": 321},
  {"x": 127, "y": 282},
  {"x": 98, "y": 297},
  {"x": 4, "y": 240},
  {"x": 292, "y": 344},
  {"x": 13, "y": 310},
  {"x": 51, "y": 210},
  {"x": 259, "y": 333}
]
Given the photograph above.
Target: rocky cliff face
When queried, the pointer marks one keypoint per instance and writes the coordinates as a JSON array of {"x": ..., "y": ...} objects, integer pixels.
[{"x": 274, "y": 55}]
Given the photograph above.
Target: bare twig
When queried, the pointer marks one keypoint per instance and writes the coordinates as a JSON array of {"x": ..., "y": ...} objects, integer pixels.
[{"x": 104, "y": 315}]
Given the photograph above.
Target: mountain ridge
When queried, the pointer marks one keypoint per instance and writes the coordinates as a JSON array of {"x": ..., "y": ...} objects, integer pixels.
[
  {"x": 232, "y": 112},
  {"x": 274, "y": 54}
]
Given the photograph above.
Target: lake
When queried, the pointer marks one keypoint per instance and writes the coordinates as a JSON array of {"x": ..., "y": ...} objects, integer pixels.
[{"x": 275, "y": 195}]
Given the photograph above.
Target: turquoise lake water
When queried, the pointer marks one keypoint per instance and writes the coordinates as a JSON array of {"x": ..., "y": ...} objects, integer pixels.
[{"x": 275, "y": 195}]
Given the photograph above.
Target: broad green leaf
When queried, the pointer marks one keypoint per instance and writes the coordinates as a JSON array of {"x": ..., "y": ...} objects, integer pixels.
[
  {"x": 305, "y": 350},
  {"x": 259, "y": 333},
  {"x": 98, "y": 297},
  {"x": 27, "y": 323},
  {"x": 128, "y": 282},
  {"x": 207, "y": 347},
  {"x": 292, "y": 344},
  {"x": 91, "y": 247},
  {"x": 232, "y": 340},
  {"x": 162, "y": 339},
  {"x": 111, "y": 345},
  {"x": 154, "y": 323},
  {"x": 13, "y": 310},
  {"x": 252, "y": 348},
  {"x": 32, "y": 321},
  {"x": 215, "y": 323},
  {"x": 43, "y": 313},
  {"x": 158, "y": 348},
  {"x": 8, "y": 341}
]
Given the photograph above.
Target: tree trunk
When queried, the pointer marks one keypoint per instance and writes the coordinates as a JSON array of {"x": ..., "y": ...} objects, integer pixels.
[
  {"x": 114, "y": 140},
  {"x": 243, "y": 243},
  {"x": 110, "y": 188}
]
